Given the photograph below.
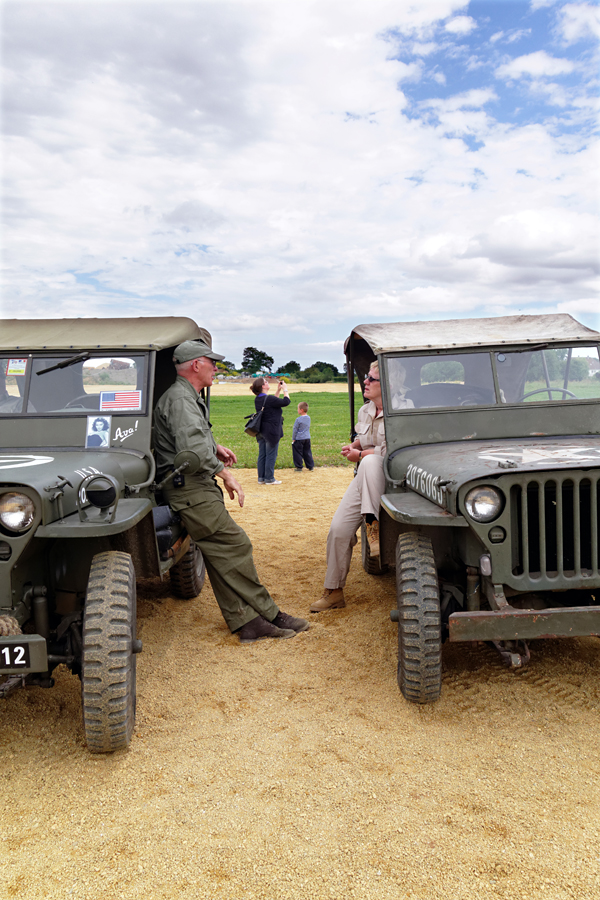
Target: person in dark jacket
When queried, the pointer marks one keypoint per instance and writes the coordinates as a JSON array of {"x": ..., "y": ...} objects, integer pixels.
[{"x": 271, "y": 426}]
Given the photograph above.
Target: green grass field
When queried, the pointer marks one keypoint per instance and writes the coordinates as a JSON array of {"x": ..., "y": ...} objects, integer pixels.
[
  {"x": 583, "y": 390},
  {"x": 329, "y": 429}
]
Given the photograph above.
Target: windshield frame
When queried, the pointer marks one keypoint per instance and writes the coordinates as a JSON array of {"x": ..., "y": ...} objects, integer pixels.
[
  {"x": 75, "y": 412},
  {"x": 438, "y": 353}
]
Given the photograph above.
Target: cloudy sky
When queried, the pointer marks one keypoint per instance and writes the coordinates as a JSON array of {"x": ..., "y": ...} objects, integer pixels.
[{"x": 281, "y": 170}]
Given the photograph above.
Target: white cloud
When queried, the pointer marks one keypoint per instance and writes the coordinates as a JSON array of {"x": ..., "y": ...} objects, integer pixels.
[
  {"x": 424, "y": 49},
  {"x": 473, "y": 99},
  {"x": 509, "y": 37},
  {"x": 461, "y": 25},
  {"x": 538, "y": 65},
  {"x": 540, "y": 4},
  {"x": 578, "y": 21},
  {"x": 258, "y": 167}
]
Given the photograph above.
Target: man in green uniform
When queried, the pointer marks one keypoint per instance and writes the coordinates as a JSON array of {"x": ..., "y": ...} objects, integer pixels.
[{"x": 181, "y": 423}]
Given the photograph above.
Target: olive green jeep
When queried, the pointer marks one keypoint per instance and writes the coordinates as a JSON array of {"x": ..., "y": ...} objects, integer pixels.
[
  {"x": 80, "y": 514},
  {"x": 491, "y": 510}
]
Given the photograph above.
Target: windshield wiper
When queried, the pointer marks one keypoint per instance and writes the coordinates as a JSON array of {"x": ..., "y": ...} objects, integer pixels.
[
  {"x": 529, "y": 349},
  {"x": 66, "y": 362}
]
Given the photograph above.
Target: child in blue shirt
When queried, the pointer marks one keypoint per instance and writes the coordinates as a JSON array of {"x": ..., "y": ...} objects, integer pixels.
[{"x": 301, "y": 440}]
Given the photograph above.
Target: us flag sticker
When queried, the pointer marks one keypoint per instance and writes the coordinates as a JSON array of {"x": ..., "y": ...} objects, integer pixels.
[{"x": 121, "y": 400}]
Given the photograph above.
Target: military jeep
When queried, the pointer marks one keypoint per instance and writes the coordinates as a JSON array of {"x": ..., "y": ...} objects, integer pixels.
[
  {"x": 491, "y": 510},
  {"x": 80, "y": 514}
]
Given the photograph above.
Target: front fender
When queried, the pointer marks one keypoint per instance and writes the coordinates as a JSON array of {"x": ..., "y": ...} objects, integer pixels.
[{"x": 128, "y": 513}]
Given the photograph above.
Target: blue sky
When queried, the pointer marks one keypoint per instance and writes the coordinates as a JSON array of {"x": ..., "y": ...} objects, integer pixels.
[
  {"x": 482, "y": 48},
  {"x": 282, "y": 171}
]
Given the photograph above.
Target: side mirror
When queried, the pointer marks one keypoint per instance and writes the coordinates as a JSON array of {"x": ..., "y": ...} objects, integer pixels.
[{"x": 190, "y": 459}]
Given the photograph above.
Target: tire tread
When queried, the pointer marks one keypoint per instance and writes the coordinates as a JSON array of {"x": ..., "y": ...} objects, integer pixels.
[
  {"x": 188, "y": 575},
  {"x": 419, "y": 621},
  {"x": 108, "y": 661}
]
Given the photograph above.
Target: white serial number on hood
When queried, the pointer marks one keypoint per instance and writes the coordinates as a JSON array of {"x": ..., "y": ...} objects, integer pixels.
[{"x": 425, "y": 483}]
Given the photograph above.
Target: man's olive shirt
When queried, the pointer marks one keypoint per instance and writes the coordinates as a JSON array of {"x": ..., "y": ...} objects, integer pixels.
[{"x": 181, "y": 423}]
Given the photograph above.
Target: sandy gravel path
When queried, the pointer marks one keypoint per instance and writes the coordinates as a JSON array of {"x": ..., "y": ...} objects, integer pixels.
[{"x": 294, "y": 768}]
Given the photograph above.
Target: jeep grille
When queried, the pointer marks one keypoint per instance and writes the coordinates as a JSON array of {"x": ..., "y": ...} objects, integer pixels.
[{"x": 554, "y": 524}]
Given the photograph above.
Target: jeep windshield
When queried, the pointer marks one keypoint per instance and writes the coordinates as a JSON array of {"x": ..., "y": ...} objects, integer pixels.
[
  {"x": 71, "y": 384},
  {"x": 536, "y": 375}
]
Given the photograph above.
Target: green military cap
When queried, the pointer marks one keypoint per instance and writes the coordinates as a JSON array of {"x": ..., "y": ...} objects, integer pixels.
[{"x": 193, "y": 350}]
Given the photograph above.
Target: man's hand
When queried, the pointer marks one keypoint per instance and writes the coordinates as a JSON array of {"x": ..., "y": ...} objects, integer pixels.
[
  {"x": 351, "y": 454},
  {"x": 226, "y": 455},
  {"x": 232, "y": 486}
]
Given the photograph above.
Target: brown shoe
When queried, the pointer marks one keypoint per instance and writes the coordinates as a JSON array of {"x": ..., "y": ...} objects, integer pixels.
[
  {"x": 373, "y": 538},
  {"x": 258, "y": 629},
  {"x": 282, "y": 620},
  {"x": 331, "y": 599}
]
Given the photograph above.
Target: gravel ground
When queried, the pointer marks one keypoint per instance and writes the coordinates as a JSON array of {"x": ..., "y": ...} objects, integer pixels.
[{"x": 294, "y": 768}]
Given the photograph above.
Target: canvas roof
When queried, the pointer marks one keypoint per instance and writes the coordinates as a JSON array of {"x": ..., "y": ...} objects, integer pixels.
[
  {"x": 144, "y": 333},
  {"x": 387, "y": 337}
]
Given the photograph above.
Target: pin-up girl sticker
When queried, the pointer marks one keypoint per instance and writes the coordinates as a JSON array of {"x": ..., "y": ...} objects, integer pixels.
[{"x": 98, "y": 431}]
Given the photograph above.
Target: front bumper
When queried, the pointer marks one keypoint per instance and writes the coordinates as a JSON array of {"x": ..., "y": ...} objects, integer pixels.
[
  {"x": 21, "y": 654},
  {"x": 524, "y": 624}
]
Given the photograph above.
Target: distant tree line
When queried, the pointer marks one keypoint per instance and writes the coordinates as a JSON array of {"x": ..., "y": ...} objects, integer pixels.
[{"x": 257, "y": 361}]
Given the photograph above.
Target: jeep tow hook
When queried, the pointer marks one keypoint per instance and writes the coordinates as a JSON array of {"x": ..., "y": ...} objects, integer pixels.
[
  {"x": 514, "y": 654},
  {"x": 12, "y": 683}
]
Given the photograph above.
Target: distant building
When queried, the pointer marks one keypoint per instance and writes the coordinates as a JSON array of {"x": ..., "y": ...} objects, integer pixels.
[{"x": 593, "y": 364}]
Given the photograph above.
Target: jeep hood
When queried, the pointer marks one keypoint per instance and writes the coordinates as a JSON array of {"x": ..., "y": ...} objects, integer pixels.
[{"x": 428, "y": 468}]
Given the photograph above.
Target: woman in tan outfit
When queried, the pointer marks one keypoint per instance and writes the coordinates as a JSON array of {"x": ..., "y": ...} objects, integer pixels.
[{"x": 361, "y": 500}]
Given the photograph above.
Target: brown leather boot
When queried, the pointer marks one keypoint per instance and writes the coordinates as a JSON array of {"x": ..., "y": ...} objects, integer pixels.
[
  {"x": 332, "y": 598},
  {"x": 373, "y": 538}
]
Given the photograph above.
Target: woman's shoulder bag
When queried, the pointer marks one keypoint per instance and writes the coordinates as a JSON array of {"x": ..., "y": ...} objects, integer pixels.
[{"x": 252, "y": 427}]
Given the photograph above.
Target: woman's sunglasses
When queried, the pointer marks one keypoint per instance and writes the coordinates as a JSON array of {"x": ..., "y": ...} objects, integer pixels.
[{"x": 370, "y": 378}]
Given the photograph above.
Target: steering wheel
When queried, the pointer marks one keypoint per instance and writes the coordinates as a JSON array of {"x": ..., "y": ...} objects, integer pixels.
[
  {"x": 477, "y": 397},
  {"x": 547, "y": 390},
  {"x": 77, "y": 400}
]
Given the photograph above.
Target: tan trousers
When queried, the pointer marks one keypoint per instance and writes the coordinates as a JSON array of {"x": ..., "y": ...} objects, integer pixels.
[{"x": 361, "y": 498}]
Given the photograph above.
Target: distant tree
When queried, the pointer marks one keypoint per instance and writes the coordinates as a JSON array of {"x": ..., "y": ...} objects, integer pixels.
[
  {"x": 442, "y": 370},
  {"x": 322, "y": 366},
  {"x": 254, "y": 360},
  {"x": 292, "y": 367},
  {"x": 579, "y": 369},
  {"x": 225, "y": 367},
  {"x": 315, "y": 375},
  {"x": 556, "y": 364}
]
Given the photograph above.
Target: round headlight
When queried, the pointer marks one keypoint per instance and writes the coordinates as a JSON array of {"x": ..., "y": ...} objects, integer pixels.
[
  {"x": 484, "y": 503},
  {"x": 101, "y": 492},
  {"x": 17, "y": 511}
]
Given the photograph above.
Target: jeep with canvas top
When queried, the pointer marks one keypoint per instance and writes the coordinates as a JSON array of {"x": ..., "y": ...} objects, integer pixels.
[
  {"x": 491, "y": 510},
  {"x": 80, "y": 513}
]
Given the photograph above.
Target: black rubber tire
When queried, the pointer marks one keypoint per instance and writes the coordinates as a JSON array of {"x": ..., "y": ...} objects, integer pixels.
[
  {"x": 419, "y": 620},
  {"x": 108, "y": 663},
  {"x": 187, "y": 576},
  {"x": 371, "y": 564}
]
